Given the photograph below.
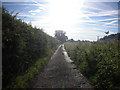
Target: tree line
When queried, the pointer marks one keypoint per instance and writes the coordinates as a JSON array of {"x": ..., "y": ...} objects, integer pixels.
[
  {"x": 112, "y": 36},
  {"x": 22, "y": 45}
]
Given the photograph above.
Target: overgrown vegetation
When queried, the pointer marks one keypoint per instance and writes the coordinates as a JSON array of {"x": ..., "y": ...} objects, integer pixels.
[
  {"x": 22, "y": 46},
  {"x": 22, "y": 80},
  {"x": 98, "y": 61}
]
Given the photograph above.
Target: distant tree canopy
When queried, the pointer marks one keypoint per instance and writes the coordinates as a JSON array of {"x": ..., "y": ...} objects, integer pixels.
[
  {"x": 112, "y": 36},
  {"x": 60, "y": 35}
]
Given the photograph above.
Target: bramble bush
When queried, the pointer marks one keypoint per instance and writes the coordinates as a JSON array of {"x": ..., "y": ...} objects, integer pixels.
[{"x": 98, "y": 61}]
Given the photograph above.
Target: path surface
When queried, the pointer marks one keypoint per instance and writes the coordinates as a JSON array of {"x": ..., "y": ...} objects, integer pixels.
[{"x": 60, "y": 73}]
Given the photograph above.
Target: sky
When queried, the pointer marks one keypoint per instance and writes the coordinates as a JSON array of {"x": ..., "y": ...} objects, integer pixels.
[{"x": 80, "y": 19}]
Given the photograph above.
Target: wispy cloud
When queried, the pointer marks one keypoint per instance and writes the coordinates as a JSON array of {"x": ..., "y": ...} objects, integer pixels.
[
  {"x": 89, "y": 16},
  {"x": 24, "y": 15},
  {"x": 39, "y": 3},
  {"x": 42, "y": 7},
  {"x": 90, "y": 7},
  {"x": 87, "y": 23},
  {"x": 33, "y": 12},
  {"x": 95, "y": 18},
  {"x": 20, "y": 4},
  {"x": 45, "y": 0},
  {"x": 112, "y": 22},
  {"x": 108, "y": 19},
  {"x": 102, "y": 13}
]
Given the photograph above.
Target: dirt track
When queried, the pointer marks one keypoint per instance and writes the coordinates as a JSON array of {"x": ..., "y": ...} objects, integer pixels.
[{"x": 60, "y": 73}]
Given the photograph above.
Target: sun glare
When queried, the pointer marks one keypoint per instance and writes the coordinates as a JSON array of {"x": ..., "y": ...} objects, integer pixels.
[{"x": 64, "y": 13}]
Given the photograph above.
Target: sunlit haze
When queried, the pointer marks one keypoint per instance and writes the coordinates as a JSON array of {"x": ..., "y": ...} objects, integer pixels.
[
  {"x": 64, "y": 13},
  {"x": 80, "y": 20}
]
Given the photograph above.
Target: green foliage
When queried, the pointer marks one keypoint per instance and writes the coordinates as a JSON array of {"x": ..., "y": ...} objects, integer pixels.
[
  {"x": 63, "y": 86},
  {"x": 22, "y": 45},
  {"x": 60, "y": 35},
  {"x": 98, "y": 61},
  {"x": 21, "y": 81},
  {"x": 112, "y": 36}
]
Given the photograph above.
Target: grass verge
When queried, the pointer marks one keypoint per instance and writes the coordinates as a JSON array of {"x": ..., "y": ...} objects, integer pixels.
[{"x": 21, "y": 81}]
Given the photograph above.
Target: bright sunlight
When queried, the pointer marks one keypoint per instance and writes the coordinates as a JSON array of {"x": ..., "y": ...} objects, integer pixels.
[{"x": 64, "y": 13}]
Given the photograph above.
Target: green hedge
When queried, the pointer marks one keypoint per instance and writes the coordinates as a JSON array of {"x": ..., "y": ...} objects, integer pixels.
[
  {"x": 22, "y": 46},
  {"x": 98, "y": 61}
]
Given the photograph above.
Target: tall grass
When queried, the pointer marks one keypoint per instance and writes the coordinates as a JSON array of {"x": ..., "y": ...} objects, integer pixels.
[{"x": 98, "y": 61}]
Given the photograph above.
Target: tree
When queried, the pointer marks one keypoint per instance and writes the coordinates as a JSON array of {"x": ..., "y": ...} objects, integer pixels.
[{"x": 60, "y": 35}]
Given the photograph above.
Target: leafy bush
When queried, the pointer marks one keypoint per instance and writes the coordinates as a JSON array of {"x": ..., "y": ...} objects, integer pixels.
[
  {"x": 98, "y": 61},
  {"x": 22, "y": 45}
]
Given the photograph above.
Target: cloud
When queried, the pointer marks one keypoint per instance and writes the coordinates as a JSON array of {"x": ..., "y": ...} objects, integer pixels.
[
  {"x": 89, "y": 17},
  {"x": 99, "y": 25},
  {"x": 88, "y": 14},
  {"x": 105, "y": 22},
  {"x": 93, "y": 18},
  {"x": 47, "y": 0},
  {"x": 89, "y": 7},
  {"x": 42, "y": 7},
  {"x": 24, "y": 15},
  {"x": 33, "y": 12},
  {"x": 39, "y": 10},
  {"x": 112, "y": 22},
  {"x": 102, "y": 0},
  {"x": 108, "y": 19},
  {"x": 24, "y": 0},
  {"x": 41, "y": 4},
  {"x": 20, "y": 4},
  {"x": 82, "y": 33},
  {"x": 102, "y": 13}
]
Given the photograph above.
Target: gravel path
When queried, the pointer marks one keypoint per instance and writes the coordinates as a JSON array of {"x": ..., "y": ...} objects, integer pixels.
[{"x": 60, "y": 72}]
